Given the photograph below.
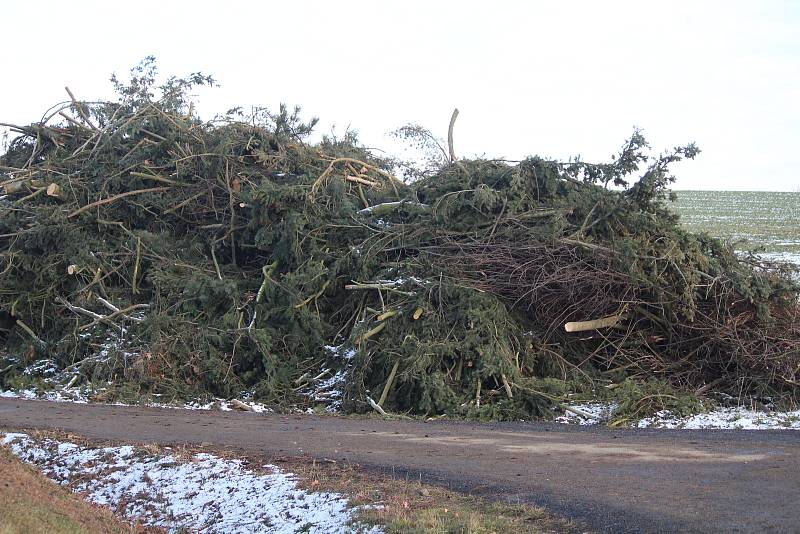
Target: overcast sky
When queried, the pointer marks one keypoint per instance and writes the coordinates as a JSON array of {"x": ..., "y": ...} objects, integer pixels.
[{"x": 550, "y": 78}]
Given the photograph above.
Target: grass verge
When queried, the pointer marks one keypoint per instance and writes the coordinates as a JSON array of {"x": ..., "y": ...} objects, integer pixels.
[
  {"x": 397, "y": 504},
  {"x": 406, "y": 506},
  {"x": 32, "y": 504}
]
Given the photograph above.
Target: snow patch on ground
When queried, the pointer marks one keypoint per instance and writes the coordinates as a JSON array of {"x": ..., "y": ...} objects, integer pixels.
[
  {"x": 219, "y": 404},
  {"x": 727, "y": 418},
  {"x": 593, "y": 413},
  {"x": 65, "y": 395},
  {"x": 81, "y": 395},
  {"x": 589, "y": 413},
  {"x": 205, "y": 494}
]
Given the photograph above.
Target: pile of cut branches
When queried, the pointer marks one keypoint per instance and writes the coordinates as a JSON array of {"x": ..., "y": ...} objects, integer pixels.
[{"x": 142, "y": 246}]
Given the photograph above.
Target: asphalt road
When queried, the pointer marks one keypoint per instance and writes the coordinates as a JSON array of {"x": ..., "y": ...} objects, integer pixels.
[{"x": 612, "y": 480}]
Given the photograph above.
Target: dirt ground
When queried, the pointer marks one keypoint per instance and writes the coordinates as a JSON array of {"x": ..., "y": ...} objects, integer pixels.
[{"x": 612, "y": 480}]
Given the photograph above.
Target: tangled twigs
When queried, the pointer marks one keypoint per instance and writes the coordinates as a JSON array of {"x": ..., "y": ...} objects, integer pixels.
[
  {"x": 96, "y": 316},
  {"x": 360, "y": 177},
  {"x": 554, "y": 283}
]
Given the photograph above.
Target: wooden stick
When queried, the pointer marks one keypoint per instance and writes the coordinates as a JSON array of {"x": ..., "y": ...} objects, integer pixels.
[
  {"x": 385, "y": 287},
  {"x": 148, "y": 132},
  {"x": 236, "y": 403},
  {"x": 361, "y": 181},
  {"x": 450, "y": 135},
  {"x": 314, "y": 296},
  {"x": 392, "y": 179},
  {"x": 582, "y": 326},
  {"x": 31, "y": 196},
  {"x": 506, "y": 385},
  {"x": 369, "y": 333},
  {"x": 73, "y": 121},
  {"x": 18, "y": 129},
  {"x": 29, "y": 331},
  {"x": 387, "y": 314},
  {"x": 370, "y": 285},
  {"x": 108, "y": 304},
  {"x": 182, "y": 204},
  {"x": 377, "y": 407},
  {"x": 10, "y": 169},
  {"x": 389, "y": 382},
  {"x": 154, "y": 177},
  {"x": 79, "y": 108},
  {"x": 389, "y": 207},
  {"x": 96, "y": 316},
  {"x": 72, "y": 381},
  {"x": 109, "y": 200},
  {"x": 576, "y": 411},
  {"x": 117, "y": 313},
  {"x": 136, "y": 266},
  {"x": 216, "y": 263}
]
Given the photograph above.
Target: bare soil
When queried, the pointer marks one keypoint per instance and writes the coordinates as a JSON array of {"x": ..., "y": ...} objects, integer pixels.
[{"x": 611, "y": 480}]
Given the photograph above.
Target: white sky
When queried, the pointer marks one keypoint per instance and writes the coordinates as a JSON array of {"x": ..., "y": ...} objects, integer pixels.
[{"x": 548, "y": 78}]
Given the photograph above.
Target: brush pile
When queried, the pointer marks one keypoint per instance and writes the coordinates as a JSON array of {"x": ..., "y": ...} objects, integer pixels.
[{"x": 144, "y": 247}]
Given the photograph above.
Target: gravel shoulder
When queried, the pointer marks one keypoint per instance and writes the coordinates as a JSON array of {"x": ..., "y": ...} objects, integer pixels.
[{"x": 613, "y": 480}]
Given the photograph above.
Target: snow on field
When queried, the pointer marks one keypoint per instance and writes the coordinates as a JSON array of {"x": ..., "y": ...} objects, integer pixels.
[
  {"x": 788, "y": 257},
  {"x": 205, "y": 493},
  {"x": 720, "y": 418}
]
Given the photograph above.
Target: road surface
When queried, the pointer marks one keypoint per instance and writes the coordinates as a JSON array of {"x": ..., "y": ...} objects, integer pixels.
[{"x": 612, "y": 480}]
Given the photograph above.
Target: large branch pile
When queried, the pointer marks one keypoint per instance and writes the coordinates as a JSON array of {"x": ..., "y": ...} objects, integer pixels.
[{"x": 171, "y": 256}]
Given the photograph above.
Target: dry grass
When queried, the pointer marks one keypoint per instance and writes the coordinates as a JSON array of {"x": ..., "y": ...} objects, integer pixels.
[{"x": 409, "y": 506}]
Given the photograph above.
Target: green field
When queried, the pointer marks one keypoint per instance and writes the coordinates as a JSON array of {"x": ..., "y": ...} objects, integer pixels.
[{"x": 748, "y": 218}]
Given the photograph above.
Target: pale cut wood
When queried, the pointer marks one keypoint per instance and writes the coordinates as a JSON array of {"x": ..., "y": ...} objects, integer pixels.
[{"x": 582, "y": 326}]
